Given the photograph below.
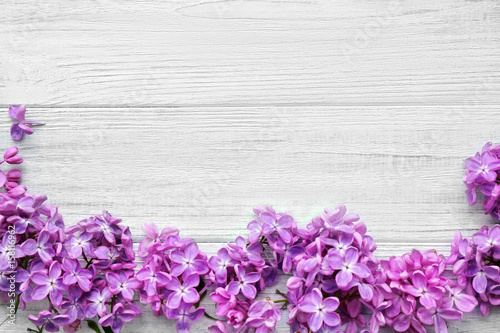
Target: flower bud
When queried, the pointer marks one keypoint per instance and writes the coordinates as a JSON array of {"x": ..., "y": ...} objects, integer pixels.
[
  {"x": 14, "y": 175},
  {"x": 14, "y": 160},
  {"x": 11, "y": 152}
]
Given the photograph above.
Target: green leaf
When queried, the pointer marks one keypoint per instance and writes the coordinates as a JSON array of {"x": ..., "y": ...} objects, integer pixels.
[
  {"x": 31, "y": 330},
  {"x": 93, "y": 325},
  {"x": 107, "y": 329}
]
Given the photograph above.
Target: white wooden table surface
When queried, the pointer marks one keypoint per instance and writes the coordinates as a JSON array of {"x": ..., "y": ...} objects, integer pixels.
[{"x": 189, "y": 113}]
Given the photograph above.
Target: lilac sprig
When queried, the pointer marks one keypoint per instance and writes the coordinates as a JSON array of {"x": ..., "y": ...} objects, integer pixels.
[
  {"x": 173, "y": 275},
  {"x": 482, "y": 173},
  {"x": 86, "y": 271}
]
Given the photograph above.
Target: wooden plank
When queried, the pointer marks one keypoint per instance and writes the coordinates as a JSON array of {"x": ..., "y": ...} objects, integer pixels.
[
  {"x": 150, "y": 53},
  {"x": 399, "y": 168}
]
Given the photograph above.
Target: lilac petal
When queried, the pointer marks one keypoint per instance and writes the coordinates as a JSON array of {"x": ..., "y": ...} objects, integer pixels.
[
  {"x": 351, "y": 256},
  {"x": 178, "y": 256},
  {"x": 335, "y": 261},
  {"x": 315, "y": 322},
  {"x": 191, "y": 296},
  {"x": 174, "y": 300},
  {"x": 249, "y": 291},
  {"x": 113, "y": 278},
  {"x": 27, "y": 130},
  {"x": 191, "y": 251},
  {"x": 55, "y": 270},
  {"x": 343, "y": 278},
  {"x": 3, "y": 178},
  {"x": 491, "y": 272},
  {"x": 163, "y": 278},
  {"x": 401, "y": 323},
  {"x": 479, "y": 282},
  {"x": 47, "y": 254},
  {"x": 182, "y": 326},
  {"x": 150, "y": 229},
  {"x": 17, "y": 112},
  {"x": 106, "y": 320},
  {"x": 419, "y": 280},
  {"x": 56, "y": 296},
  {"x": 285, "y": 235},
  {"x": 16, "y": 132},
  {"x": 233, "y": 288},
  {"x": 465, "y": 302},
  {"x": 40, "y": 278},
  {"x": 196, "y": 314},
  {"x": 365, "y": 291},
  {"x": 192, "y": 280},
  {"x": 40, "y": 292},
  {"x": 127, "y": 315},
  {"x": 29, "y": 247},
  {"x": 332, "y": 319},
  {"x": 84, "y": 283},
  {"x": 450, "y": 314},
  {"x": 143, "y": 274},
  {"x": 128, "y": 294},
  {"x": 117, "y": 325},
  {"x": 472, "y": 164},
  {"x": 360, "y": 270},
  {"x": 252, "y": 277},
  {"x": 440, "y": 325},
  {"x": 331, "y": 304}
]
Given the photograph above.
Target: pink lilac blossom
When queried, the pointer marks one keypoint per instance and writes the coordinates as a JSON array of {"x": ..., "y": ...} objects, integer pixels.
[{"x": 481, "y": 173}]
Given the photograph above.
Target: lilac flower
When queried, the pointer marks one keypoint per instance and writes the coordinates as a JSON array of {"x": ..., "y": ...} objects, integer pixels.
[
  {"x": 463, "y": 301},
  {"x": 244, "y": 284},
  {"x": 153, "y": 236},
  {"x": 96, "y": 302},
  {"x": 79, "y": 244},
  {"x": 263, "y": 316},
  {"x": 109, "y": 230},
  {"x": 25, "y": 276},
  {"x": 51, "y": 285},
  {"x": 116, "y": 319},
  {"x": 75, "y": 273},
  {"x": 485, "y": 241},
  {"x": 17, "y": 112},
  {"x": 483, "y": 167},
  {"x": 321, "y": 311},
  {"x": 438, "y": 316},
  {"x": 226, "y": 302},
  {"x": 152, "y": 277},
  {"x": 256, "y": 230},
  {"x": 43, "y": 246},
  {"x": 185, "y": 313},
  {"x": 481, "y": 275},
  {"x": 280, "y": 225},
  {"x": 73, "y": 306},
  {"x": 428, "y": 294},
  {"x": 186, "y": 262},
  {"x": 348, "y": 265},
  {"x": 121, "y": 284},
  {"x": 220, "y": 263},
  {"x": 246, "y": 255},
  {"x": 183, "y": 292},
  {"x": 49, "y": 321},
  {"x": 288, "y": 252}
]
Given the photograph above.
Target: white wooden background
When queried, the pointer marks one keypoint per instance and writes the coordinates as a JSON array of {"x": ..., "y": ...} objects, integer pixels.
[{"x": 188, "y": 113}]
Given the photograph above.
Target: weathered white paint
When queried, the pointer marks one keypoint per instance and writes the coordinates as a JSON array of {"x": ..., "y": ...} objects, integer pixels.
[{"x": 188, "y": 113}]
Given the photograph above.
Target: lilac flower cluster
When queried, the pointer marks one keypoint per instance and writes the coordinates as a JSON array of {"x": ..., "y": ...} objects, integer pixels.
[
  {"x": 482, "y": 172},
  {"x": 338, "y": 284},
  {"x": 241, "y": 270},
  {"x": 85, "y": 271},
  {"x": 476, "y": 265},
  {"x": 172, "y": 276}
]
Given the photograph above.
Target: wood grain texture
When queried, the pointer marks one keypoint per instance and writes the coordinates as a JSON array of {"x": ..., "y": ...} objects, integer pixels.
[
  {"x": 121, "y": 53},
  {"x": 188, "y": 113}
]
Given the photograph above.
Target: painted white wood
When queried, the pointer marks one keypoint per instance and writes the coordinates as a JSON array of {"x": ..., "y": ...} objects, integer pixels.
[
  {"x": 319, "y": 52},
  {"x": 188, "y": 113}
]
